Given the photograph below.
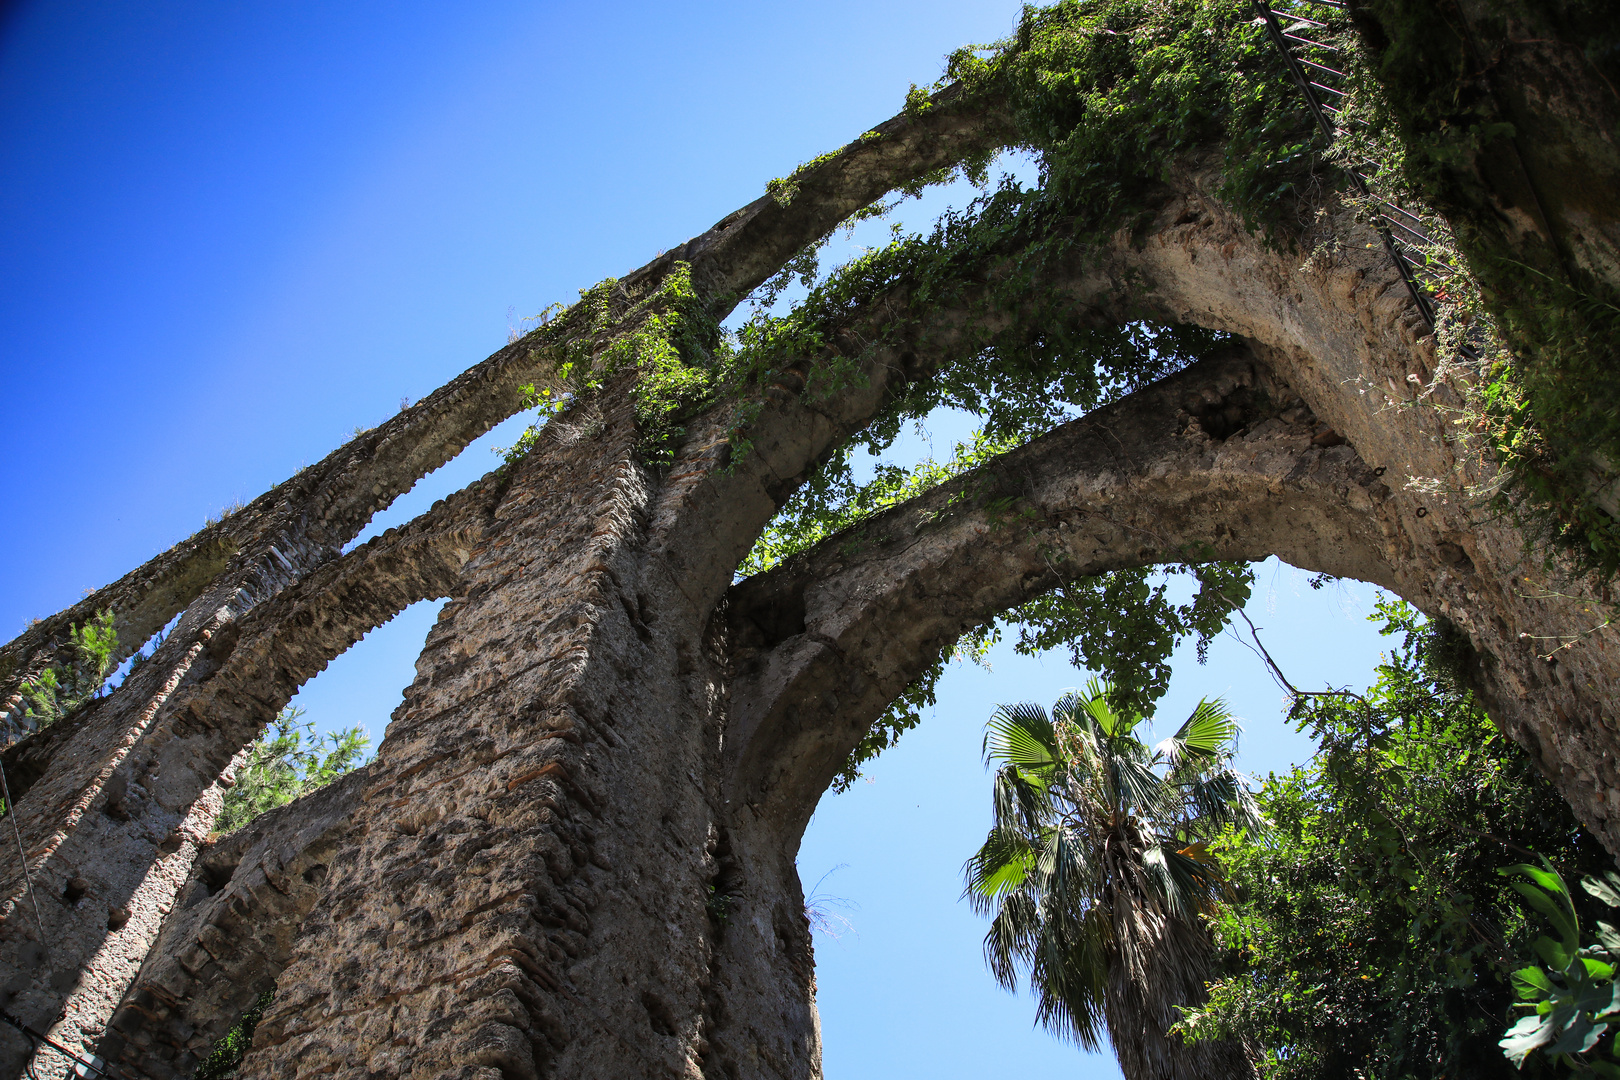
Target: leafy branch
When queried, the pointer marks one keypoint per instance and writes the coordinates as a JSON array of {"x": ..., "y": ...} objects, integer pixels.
[
  {"x": 1573, "y": 993},
  {"x": 287, "y": 760}
]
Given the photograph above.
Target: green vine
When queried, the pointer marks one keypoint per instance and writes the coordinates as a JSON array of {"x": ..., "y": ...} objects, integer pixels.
[{"x": 665, "y": 334}]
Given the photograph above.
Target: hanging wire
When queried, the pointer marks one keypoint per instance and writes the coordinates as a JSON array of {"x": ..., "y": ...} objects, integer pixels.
[
  {"x": 28, "y": 881},
  {"x": 81, "y": 1067}
]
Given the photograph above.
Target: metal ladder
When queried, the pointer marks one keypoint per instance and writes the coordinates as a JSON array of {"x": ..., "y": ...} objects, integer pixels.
[{"x": 1297, "y": 28}]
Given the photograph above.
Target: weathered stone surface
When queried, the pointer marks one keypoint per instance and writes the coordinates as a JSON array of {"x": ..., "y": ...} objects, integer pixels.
[
  {"x": 181, "y": 719},
  {"x": 230, "y": 933},
  {"x": 122, "y": 799},
  {"x": 822, "y": 644}
]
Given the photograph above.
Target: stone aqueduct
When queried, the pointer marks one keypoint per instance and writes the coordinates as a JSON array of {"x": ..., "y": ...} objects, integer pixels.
[{"x": 605, "y": 730}]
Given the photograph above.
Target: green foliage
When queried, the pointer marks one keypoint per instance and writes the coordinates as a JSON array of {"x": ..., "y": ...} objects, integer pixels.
[
  {"x": 1548, "y": 414},
  {"x": 228, "y": 1053},
  {"x": 287, "y": 760},
  {"x": 1108, "y": 94},
  {"x": 784, "y": 189},
  {"x": 719, "y": 906},
  {"x": 905, "y": 711},
  {"x": 1372, "y": 934},
  {"x": 1124, "y": 626},
  {"x": 58, "y": 692},
  {"x": 548, "y": 403},
  {"x": 1111, "y": 92},
  {"x": 1096, "y": 872},
  {"x": 837, "y": 502},
  {"x": 664, "y": 334},
  {"x": 1575, "y": 996}
]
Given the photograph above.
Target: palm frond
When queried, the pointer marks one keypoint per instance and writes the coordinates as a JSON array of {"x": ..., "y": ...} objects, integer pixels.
[
  {"x": 1095, "y": 876},
  {"x": 1099, "y": 710},
  {"x": 1013, "y": 933},
  {"x": 1068, "y": 871},
  {"x": 1185, "y": 884},
  {"x": 1211, "y": 731},
  {"x": 1069, "y": 974},
  {"x": 1020, "y": 801},
  {"x": 1138, "y": 786},
  {"x": 1067, "y": 708},
  {"x": 1221, "y": 798},
  {"x": 1021, "y": 735},
  {"x": 1002, "y": 866}
]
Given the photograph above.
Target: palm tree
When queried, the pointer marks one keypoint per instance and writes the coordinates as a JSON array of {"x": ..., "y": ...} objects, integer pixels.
[{"x": 1096, "y": 874}]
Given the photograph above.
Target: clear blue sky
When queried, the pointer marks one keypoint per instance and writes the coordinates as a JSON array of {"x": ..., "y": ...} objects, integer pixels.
[{"x": 231, "y": 233}]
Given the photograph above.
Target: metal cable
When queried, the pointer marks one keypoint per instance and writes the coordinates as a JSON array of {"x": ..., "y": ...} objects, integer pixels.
[
  {"x": 36, "y": 1039},
  {"x": 28, "y": 881}
]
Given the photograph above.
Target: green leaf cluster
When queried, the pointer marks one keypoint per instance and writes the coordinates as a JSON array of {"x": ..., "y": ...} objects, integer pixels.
[
  {"x": 1371, "y": 933},
  {"x": 664, "y": 334},
  {"x": 60, "y": 690},
  {"x": 1575, "y": 998},
  {"x": 226, "y": 1056},
  {"x": 905, "y": 711},
  {"x": 836, "y": 502},
  {"x": 1111, "y": 92},
  {"x": 1125, "y": 626},
  {"x": 287, "y": 760}
]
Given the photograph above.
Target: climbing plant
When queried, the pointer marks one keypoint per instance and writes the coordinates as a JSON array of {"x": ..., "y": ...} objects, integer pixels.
[
  {"x": 1544, "y": 403},
  {"x": 1112, "y": 97},
  {"x": 61, "y": 689}
]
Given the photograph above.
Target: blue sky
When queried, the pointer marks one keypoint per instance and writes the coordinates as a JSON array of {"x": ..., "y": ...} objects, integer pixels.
[{"x": 231, "y": 233}]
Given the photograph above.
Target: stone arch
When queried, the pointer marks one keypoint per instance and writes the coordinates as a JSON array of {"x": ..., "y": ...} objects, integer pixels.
[
  {"x": 1139, "y": 483},
  {"x": 254, "y": 555},
  {"x": 627, "y": 575}
]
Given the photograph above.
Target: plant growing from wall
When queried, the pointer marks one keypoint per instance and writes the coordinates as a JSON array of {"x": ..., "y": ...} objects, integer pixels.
[
  {"x": 1524, "y": 175},
  {"x": 228, "y": 1053},
  {"x": 59, "y": 691}
]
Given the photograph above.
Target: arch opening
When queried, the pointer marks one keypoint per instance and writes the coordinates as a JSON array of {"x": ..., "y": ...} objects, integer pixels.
[{"x": 932, "y": 790}]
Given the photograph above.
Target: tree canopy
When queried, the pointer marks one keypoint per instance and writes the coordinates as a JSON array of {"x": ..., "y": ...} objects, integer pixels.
[
  {"x": 1096, "y": 872},
  {"x": 1372, "y": 930}
]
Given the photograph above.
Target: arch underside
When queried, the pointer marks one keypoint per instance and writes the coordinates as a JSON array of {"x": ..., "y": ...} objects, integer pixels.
[{"x": 823, "y": 644}]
